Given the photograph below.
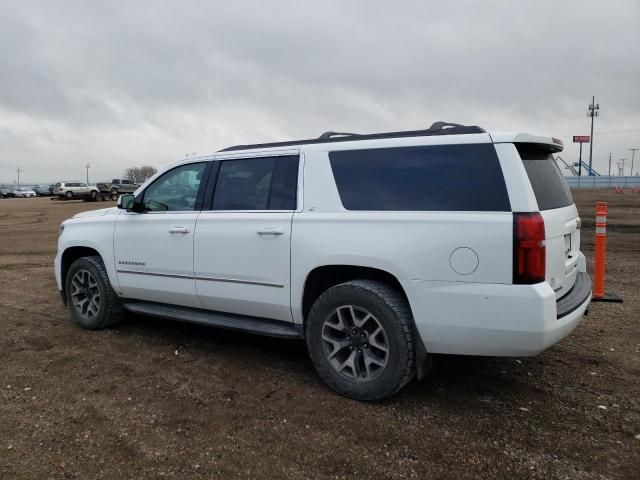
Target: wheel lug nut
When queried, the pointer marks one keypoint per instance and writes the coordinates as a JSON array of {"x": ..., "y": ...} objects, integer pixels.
[
  {"x": 350, "y": 347},
  {"x": 359, "y": 350},
  {"x": 366, "y": 345},
  {"x": 362, "y": 335},
  {"x": 349, "y": 338},
  {"x": 354, "y": 331}
]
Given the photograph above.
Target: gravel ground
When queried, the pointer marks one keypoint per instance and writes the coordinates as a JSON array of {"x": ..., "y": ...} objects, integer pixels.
[{"x": 156, "y": 399}]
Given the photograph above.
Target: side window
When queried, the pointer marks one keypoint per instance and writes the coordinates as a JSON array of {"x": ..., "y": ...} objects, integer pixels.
[
  {"x": 268, "y": 183},
  {"x": 421, "y": 178},
  {"x": 175, "y": 190}
]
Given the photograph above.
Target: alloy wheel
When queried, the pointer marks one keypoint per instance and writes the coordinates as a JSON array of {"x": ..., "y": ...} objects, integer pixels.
[
  {"x": 85, "y": 294},
  {"x": 355, "y": 343}
]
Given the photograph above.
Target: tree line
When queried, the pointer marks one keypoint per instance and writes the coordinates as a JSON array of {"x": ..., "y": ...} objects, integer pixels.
[{"x": 140, "y": 174}]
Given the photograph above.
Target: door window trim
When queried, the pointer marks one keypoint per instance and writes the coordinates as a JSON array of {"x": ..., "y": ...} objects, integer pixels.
[
  {"x": 197, "y": 207},
  {"x": 207, "y": 206}
]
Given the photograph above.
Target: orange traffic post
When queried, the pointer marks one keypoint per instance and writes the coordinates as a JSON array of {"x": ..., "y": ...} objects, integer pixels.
[{"x": 599, "y": 294}]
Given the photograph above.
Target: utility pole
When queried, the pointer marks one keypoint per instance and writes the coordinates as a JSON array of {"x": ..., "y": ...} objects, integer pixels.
[
  {"x": 19, "y": 170},
  {"x": 609, "y": 163},
  {"x": 621, "y": 167},
  {"x": 594, "y": 111},
  {"x": 87, "y": 166},
  {"x": 633, "y": 154},
  {"x": 580, "y": 161}
]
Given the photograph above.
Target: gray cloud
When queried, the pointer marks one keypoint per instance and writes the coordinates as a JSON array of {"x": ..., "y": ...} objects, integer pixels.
[{"x": 119, "y": 84}]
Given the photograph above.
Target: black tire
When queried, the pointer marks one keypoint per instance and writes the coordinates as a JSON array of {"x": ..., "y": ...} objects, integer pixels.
[
  {"x": 114, "y": 191},
  {"x": 93, "y": 195},
  {"x": 391, "y": 312},
  {"x": 69, "y": 195},
  {"x": 110, "y": 309}
]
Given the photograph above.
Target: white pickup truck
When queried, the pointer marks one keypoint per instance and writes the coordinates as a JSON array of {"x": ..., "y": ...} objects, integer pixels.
[{"x": 377, "y": 249}]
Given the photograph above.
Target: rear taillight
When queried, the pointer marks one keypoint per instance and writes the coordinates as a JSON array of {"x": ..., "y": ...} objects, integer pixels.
[{"x": 529, "y": 253}]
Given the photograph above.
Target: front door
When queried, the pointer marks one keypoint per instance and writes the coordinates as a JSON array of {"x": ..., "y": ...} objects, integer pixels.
[
  {"x": 243, "y": 240},
  {"x": 154, "y": 248}
]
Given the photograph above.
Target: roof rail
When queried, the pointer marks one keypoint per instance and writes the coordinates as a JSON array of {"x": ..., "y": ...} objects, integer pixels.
[
  {"x": 437, "y": 128},
  {"x": 328, "y": 135}
]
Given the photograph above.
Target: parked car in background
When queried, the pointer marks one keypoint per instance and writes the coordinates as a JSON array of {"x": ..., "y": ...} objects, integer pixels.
[
  {"x": 24, "y": 193},
  {"x": 122, "y": 185},
  {"x": 71, "y": 190},
  {"x": 42, "y": 191},
  {"x": 6, "y": 193}
]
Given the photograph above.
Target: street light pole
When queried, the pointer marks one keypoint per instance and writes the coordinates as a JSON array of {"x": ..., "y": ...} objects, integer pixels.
[
  {"x": 87, "y": 166},
  {"x": 594, "y": 111},
  {"x": 19, "y": 170}
]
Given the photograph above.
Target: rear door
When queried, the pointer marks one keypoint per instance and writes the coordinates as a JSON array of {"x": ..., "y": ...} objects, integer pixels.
[
  {"x": 561, "y": 219},
  {"x": 242, "y": 256}
]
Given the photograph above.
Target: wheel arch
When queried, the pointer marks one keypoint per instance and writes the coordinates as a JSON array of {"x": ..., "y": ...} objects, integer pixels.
[
  {"x": 70, "y": 255},
  {"x": 324, "y": 277}
]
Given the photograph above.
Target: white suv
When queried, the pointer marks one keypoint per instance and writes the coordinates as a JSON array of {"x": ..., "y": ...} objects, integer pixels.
[
  {"x": 71, "y": 190},
  {"x": 378, "y": 250}
]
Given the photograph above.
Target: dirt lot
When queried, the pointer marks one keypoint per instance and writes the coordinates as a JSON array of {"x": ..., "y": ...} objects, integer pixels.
[{"x": 156, "y": 399}]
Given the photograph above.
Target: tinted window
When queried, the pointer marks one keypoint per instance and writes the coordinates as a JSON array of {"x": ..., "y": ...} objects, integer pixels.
[
  {"x": 175, "y": 190},
  {"x": 548, "y": 183},
  {"x": 257, "y": 184},
  {"x": 439, "y": 177}
]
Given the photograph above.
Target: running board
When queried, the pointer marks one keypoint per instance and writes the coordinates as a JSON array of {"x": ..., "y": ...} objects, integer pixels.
[{"x": 242, "y": 323}]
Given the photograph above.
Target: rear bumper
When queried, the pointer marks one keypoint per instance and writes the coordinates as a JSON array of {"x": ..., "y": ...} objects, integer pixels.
[
  {"x": 574, "y": 299},
  {"x": 495, "y": 320}
]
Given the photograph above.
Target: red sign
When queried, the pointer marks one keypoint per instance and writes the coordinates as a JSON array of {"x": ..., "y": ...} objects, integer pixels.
[{"x": 581, "y": 138}]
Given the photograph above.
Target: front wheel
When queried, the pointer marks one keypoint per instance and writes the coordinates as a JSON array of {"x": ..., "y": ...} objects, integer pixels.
[
  {"x": 92, "y": 302},
  {"x": 361, "y": 341},
  {"x": 69, "y": 195}
]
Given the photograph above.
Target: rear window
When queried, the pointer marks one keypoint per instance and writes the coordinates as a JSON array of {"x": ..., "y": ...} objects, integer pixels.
[
  {"x": 422, "y": 178},
  {"x": 548, "y": 183}
]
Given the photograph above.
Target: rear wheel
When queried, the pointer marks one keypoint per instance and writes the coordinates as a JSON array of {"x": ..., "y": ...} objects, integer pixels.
[
  {"x": 91, "y": 300},
  {"x": 69, "y": 195},
  {"x": 360, "y": 338},
  {"x": 93, "y": 195},
  {"x": 114, "y": 191}
]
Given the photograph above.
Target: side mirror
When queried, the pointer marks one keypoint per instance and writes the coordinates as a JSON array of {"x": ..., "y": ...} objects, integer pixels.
[{"x": 126, "y": 201}]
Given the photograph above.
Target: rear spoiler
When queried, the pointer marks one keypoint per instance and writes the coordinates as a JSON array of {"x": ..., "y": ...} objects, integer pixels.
[{"x": 548, "y": 143}]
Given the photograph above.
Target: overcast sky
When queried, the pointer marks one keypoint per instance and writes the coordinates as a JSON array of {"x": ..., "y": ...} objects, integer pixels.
[{"x": 121, "y": 84}]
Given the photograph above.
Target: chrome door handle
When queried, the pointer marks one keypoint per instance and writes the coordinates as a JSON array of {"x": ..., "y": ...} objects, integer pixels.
[
  {"x": 270, "y": 231},
  {"x": 178, "y": 230}
]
